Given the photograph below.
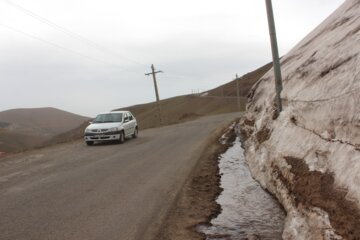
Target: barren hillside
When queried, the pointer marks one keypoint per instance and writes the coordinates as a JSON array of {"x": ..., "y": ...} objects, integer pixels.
[
  {"x": 309, "y": 156},
  {"x": 218, "y": 100},
  {"x": 245, "y": 83},
  {"x": 27, "y": 128},
  {"x": 48, "y": 121}
]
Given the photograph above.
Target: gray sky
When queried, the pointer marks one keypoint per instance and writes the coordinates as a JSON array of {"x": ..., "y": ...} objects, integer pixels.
[{"x": 198, "y": 44}]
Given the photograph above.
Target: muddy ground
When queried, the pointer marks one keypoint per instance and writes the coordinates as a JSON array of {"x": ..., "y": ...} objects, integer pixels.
[{"x": 196, "y": 203}]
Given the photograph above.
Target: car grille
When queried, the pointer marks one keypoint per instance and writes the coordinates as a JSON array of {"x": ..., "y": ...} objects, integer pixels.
[{"x": 99, "y": 130}]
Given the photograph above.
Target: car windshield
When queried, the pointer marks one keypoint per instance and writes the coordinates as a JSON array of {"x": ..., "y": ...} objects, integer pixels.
[{"x": 108, "y": 117}]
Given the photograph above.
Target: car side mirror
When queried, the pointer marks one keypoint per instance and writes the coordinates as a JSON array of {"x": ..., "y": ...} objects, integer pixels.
[
  {"x": 126, "y": 119},
  {"x": 90, "y": 122}
]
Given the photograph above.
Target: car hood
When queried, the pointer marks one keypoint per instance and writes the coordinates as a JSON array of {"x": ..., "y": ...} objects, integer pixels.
[{"x": 104, "y": 125}]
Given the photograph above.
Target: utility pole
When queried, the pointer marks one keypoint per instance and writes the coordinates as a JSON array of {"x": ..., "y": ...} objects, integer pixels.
[
  {"x": 153, "y": 73},
  {"x": 237, "y": 92},
  {"x": 275, "y": 54}
]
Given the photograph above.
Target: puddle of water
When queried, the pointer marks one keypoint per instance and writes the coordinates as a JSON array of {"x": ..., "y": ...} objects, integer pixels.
[{"x": 247, "y": 210}]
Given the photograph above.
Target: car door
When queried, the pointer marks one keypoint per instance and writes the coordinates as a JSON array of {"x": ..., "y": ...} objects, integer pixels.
[
  {"x": 132, "y": 123},
  {"x": 126, "y": 124}
]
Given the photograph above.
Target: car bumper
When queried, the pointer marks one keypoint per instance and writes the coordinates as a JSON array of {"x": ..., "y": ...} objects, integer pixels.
[{"x": 109, "y": 136}]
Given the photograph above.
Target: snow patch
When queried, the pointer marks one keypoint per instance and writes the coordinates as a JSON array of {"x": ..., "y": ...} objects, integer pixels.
[{"x": 319, "y": 125}]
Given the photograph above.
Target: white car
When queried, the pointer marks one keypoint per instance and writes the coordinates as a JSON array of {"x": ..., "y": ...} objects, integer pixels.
[{"x": 110, "y": 126}]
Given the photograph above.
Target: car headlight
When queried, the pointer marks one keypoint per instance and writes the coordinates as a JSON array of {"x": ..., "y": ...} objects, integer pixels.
[
  {"x": 114, "y": 129},
  {"x": 87, "y": 130}
]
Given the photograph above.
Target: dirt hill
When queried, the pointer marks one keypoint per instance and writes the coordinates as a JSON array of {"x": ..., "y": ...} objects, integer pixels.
[
  {"x": 245, "y": 83},
  {"x": 218, "y": 100},
  {"x": 49, "y": 121},
  {"x": 27, "y": 128}
]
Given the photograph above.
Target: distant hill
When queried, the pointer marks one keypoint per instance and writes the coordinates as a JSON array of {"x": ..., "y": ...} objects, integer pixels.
[
  {"x": 30, "y": 127},
  {"x": 15, "y": 141},
  {"x": 49, "y": 121}
]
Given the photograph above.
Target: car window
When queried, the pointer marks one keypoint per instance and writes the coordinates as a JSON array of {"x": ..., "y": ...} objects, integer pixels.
[
  {"x": 117, "y": 117},
  {"x": 130, "y": 116},
  {"x": 108, "y": 117}
]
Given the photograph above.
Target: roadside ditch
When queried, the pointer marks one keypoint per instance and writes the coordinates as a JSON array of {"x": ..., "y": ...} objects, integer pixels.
[{"x": 221, "y": 200}]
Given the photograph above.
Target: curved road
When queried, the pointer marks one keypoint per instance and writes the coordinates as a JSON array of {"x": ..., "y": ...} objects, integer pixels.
[{"x": 109, "y": 191}]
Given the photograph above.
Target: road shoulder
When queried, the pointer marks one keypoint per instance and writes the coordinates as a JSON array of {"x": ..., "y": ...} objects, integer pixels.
[{"x": 196, "y": 201}]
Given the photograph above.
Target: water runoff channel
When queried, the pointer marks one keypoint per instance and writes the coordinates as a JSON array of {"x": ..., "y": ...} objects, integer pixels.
[{"x": 248, "y": 211}]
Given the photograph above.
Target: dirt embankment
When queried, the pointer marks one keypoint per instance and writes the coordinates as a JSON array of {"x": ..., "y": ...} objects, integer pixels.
[
  {"x": 313, "y": 188},
  {"x": 196, "y": 202}
]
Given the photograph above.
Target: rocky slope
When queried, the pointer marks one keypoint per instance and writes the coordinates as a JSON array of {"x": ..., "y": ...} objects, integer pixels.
[{"x": 309, "y": 156}]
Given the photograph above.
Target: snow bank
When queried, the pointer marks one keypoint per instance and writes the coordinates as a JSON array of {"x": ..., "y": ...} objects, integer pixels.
[{"x": 309, "y": 156}]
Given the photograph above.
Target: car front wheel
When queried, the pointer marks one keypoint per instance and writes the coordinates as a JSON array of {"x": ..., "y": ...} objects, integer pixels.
[
  {"x": 136, "y": 133},
  {"x": 122, "y": 137}
]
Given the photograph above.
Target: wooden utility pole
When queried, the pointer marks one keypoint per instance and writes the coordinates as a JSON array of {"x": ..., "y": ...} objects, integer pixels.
[
  {"x": 275, "y": 54},
  {"x": 153, "y": 73},
  {"x": 237, "y": 92}
]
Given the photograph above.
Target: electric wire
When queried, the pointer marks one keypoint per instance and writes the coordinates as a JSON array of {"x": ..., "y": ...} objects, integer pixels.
[
  {"x": 66, "y": 49},
  {"x": 78, "y": 37},
  {"x": 177, "y": 75},
  {"x": 70, "y": 33}
]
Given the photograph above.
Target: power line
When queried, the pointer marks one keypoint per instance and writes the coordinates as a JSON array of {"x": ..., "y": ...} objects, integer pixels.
[
  {"x": 65, "y": 49},
  {"x": 177, "y": 75},
  {"x": 69, "y": 33},
  {"x": 75, "y": 36}
]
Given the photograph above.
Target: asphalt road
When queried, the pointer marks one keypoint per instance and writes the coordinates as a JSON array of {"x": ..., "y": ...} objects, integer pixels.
[{"x": 110, "y": 191}]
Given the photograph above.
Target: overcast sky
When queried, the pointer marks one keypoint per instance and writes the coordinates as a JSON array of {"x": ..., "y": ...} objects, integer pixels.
[{"x": 100, "y": 64}]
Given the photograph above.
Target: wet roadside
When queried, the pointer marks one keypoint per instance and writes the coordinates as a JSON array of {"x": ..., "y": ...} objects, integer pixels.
[
  {"x": 220, "y": 200},
  {"x": 247, "y": 210}
]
